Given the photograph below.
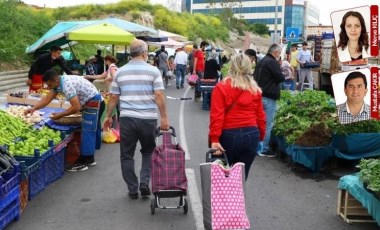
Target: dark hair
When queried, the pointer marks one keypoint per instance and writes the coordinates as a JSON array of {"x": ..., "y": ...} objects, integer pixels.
[
  {"x": 195, "y": 46},
  {"x": 250, "y": 53},
  {"x": 50, "y": 75},
  {"x": 304, "y": 43},
  {"x": 294, "y": 45},
  {"x": 162, "y": 48},
  {"x": 54, "y": 48},
  {"x": 343, "y": 38},
  {"x": 203, "y": 44},
  {"x": 99, "y": 52},
  {"x": 110, "y": 58},
  {"x": 354, "y": 75}
]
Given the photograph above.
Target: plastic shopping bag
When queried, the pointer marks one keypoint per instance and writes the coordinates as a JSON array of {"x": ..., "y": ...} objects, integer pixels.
[
  {"x": 223, "y": 196},
  {"x": 109, "y": 136},
  {"x": 117, "y": 134},
  {"x": 192, "y": 80}
]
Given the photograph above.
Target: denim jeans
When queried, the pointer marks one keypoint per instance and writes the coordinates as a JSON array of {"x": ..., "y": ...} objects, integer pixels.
[
  {"x": 133, "y": 130},
  {"x": 288, "y": 85},
  {"x": 306, "y": 73},
  {"x": 180, "y": 74},
  {"x": 240, "y": 145},
  {"x": 270, "y": 107}
]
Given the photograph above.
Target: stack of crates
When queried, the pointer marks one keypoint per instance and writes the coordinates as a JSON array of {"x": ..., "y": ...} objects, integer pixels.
[
  {"x": 40, "y": 170},
  {"x": 205, "y": 86},
  {"x": 10, "y": 196}
]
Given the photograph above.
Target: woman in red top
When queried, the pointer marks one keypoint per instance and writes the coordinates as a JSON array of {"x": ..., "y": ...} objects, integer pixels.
[{"x": 237, "y": 118}]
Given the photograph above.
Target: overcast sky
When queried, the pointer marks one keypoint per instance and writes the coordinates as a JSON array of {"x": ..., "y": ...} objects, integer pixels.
[{"x": 325, "y": 6}]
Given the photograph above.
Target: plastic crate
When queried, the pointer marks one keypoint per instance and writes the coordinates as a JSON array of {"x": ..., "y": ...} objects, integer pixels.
[
  {"x": 54, "y": 166},
  {"x": 29, "y": 160},
  {"x": 26, "y": 170},
  {"x": 10, "y": 213},
  {"x": 9, "y": 180},
  {"x": 24, "y": 194},
  {"x": 10, "y": 197},
  {"x": 66, "y": 139},
  {"x": 206, "y": 103},
  {"x": 36, "y": 182}
]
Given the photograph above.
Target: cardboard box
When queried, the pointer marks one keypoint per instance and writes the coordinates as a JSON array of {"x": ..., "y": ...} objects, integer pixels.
[
  {"x": 351, "y": 210},
  {"x": 17, "y": 100},
  {"x": 33, "y": 99}
]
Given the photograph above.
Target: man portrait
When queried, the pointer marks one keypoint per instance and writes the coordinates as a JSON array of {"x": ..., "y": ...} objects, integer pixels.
[{"x": 353, "y": 106}]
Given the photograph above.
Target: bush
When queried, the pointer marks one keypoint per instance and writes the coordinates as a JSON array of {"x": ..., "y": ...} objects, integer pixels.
[{"x": 20, "y": 27}]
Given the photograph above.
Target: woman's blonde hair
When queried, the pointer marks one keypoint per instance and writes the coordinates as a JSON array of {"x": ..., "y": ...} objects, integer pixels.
[{"x": 240, "y": 73}]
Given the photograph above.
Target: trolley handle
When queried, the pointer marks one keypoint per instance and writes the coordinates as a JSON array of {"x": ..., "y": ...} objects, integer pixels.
[
  {"x": 166, "y": 135},
  {"x": 210, "y": 157},
  {"x": 171, "y": 130}
]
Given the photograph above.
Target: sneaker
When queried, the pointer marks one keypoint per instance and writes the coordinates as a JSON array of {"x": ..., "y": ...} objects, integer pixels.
[
  {"x": 90, "y": 161},
  {"x": 77, "y": 167},
  {"x": 144, "y": 190},
  {"x": 133, "y": 196},
  {"x": 267, "y": 154},
  {"x": 177, "y": 86}
]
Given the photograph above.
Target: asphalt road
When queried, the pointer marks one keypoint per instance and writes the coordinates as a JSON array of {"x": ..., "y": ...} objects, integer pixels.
[{"x": 277, "y": 198}]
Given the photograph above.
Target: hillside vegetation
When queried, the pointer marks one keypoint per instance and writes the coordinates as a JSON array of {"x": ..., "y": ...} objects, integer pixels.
[{"x": 22, "y": 25}]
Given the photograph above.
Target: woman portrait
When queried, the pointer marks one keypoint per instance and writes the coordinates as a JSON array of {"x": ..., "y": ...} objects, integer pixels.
[{"x": 353, "y": 39}]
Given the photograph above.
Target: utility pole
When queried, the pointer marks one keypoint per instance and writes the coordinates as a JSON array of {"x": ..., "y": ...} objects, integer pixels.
[{"x": 275, "y": 23}]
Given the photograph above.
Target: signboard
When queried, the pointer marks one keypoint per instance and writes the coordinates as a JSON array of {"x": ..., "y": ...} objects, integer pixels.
[{"x": 292, "y": 34}]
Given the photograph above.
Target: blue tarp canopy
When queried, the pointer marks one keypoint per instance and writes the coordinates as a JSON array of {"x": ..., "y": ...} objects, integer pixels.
[{"x": 56, "y": 35}]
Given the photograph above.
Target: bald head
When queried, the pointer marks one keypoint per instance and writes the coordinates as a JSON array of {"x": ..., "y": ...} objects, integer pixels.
[{"x": 138, "y": 47}]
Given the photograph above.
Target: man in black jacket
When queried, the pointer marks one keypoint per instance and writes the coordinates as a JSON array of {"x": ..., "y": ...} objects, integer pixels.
[
  {"x": 269, "y": 77},
  {"x": 44, "y": 63}
]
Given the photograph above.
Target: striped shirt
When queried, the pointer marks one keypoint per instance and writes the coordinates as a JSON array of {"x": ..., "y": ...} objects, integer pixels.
[
  {"x": 135, "y": 83},
  {"x": 346, "y": 117}
]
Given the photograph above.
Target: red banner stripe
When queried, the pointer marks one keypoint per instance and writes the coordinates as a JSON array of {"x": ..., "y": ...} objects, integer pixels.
[
  {"x": 374, "y": 30},
  {"x": 375, "y": 93}
]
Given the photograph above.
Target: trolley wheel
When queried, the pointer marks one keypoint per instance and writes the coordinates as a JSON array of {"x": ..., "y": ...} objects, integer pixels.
[
  {"x": 152, "y": 206},
  {"x": 185, "y": 207}
]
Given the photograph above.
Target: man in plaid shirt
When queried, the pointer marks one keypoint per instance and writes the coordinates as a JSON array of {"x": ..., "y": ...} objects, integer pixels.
[{"x": 355, "y": 88}]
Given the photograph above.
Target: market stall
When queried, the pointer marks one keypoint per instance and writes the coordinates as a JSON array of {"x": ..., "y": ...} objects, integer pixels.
[
  {"x": 362, "y": 207},
  {"x": 307, "y": 130},
  {"x": 32, "y": 154}
]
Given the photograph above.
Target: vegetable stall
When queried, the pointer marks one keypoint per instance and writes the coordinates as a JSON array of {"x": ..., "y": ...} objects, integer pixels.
[
  {"x": 32, "y": 154},
  {"x": 306, "y": 129}
]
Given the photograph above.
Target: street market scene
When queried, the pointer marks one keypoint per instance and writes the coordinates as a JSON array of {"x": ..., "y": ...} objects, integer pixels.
[{"x": 184, "y": 114}]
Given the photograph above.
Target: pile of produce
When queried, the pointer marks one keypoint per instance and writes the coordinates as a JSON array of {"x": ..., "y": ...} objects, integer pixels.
[
  {"x": 19, "y": 94},
  {"x": 18, "y": 111},
  {"x": 6, "y": 160},
  {"x": 34, "y": 139},
  {"x": 367, "y": 126},
  {"x": 370, "y": 175},
  {"x": 44, "y": 92},
  {"x": 11, "y": 127},
  {"x": 22, "y": 139},
  {"x": 305, "y": 118}
]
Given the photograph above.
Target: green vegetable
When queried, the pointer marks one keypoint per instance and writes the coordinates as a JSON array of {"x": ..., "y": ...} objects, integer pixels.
[
  {"x": 370, "y": 174},
  {"x": 299, "y": 116}
]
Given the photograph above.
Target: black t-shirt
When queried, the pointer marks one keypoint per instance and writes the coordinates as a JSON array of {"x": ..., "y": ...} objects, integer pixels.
[
  {"x": 211, "y": 69},
  {"x": 44, "y": 63}
]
